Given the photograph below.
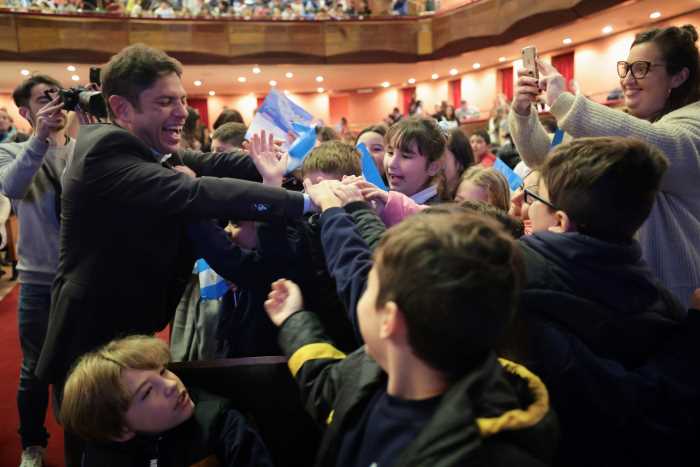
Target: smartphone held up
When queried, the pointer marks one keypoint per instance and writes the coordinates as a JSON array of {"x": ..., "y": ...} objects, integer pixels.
[{"x": 529, "y": 54}]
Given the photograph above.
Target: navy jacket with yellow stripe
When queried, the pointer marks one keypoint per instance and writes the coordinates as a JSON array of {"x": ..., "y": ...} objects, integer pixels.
[{"x": 496, "y": 415}]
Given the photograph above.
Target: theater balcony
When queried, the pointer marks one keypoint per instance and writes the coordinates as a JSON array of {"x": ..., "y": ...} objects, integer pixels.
[{"x": 458, "y": 28}]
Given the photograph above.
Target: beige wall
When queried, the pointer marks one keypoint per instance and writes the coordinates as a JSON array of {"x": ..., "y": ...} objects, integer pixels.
[{"x": 316, "y": 104}]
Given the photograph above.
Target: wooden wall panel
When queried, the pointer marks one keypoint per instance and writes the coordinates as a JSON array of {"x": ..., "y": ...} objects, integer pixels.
[
  {"x": 475, "y": 25},
  {"x": 50, "y": 33},
  {"x": 8, "y": 34},
  {"x": 207, "y": 37},
  {"x": 255, "y": 38},
  {"x": 344, "y": 38}
]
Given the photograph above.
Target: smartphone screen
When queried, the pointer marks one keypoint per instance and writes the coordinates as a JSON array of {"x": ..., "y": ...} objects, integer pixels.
[{"x": 529, "y": 60}]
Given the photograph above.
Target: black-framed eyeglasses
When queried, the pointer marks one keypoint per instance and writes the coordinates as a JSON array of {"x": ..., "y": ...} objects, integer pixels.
[
  {"x": 639, "y": 68},
  {"x": 530, "y": 197}
]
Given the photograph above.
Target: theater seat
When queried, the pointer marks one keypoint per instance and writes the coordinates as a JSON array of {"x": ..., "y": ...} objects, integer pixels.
[{"x": 263, "y": 389}]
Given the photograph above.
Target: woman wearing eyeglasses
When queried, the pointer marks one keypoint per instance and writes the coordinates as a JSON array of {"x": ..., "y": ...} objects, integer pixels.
[{"x": 661, "y": 84}]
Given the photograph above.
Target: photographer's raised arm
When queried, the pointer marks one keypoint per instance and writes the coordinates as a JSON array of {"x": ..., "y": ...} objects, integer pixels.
[{"x": 17, "y": 171}]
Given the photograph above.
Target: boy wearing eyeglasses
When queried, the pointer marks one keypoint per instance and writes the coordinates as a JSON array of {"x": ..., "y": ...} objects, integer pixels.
[{"x": 587, "y": 282}]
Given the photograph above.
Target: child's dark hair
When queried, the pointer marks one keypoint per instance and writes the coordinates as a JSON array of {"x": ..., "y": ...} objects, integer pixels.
[
  {"x": 511, "y": 224},
  {"x": 607, "y": 186},
  {"x": 483, "y": 134},
  {"x": 333, "y": 157},
  {"x": 455, "y": 278},
  {"x": 228, "y": 116},
  {"x": 379, "y": 129},
  {"x": 458, "y": 144},
  {"x": 678, "y": 51},
  {"x": 424, "y": 132}
]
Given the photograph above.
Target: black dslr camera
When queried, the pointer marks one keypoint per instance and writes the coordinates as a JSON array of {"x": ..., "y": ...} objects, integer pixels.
[{"x": 90, "y": 101}]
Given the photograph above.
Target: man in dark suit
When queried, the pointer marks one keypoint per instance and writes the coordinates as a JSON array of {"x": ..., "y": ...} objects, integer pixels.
[{"x": 124, "y": 256}]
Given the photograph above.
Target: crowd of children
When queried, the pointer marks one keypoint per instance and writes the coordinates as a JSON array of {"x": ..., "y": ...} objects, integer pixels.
[{"x": 451, "y": 320}]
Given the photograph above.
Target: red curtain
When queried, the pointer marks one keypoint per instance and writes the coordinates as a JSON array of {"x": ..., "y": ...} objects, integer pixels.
[
  {"x": 456, "y": 87},
  {"x": 260, "y": 100},
  {"x": 506, "y": 75},
  {"x": 202, "y": 108},
  {"x": 565, "y": 64},
  {"x": 407, "y": 95}
]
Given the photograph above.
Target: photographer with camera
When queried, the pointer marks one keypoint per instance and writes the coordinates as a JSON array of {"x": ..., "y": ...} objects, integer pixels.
[
  {"x": 30, "y": 175},
  {"x": 129, "y": 194}
]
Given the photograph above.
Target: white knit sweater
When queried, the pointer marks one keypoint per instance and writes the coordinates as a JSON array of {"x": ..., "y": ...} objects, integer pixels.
[{"x": 670, "y": 237}]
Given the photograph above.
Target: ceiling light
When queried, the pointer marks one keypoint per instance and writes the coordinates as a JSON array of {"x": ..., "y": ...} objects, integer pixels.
[
  {"x": 434, "y": 76},
  {"x": 24, "y": 72},
  {"x": 273, "y": 82},
  {"x": 289, "y": 74},
  {"x": 319, "y": 79},
  {"x": 75, "y": 78},
  {"x": 70, "y": 68},
  {"x": 453, "y": 71},
  {"x": 241, "y": 79},
  {"x": 212, "y": 93},
  {"x": 197, "y": 83},
  {"x": 567, "y": 40},
  {"x": 256, "y": 70},
  {"x": 411, "y": 80},
  {"x": 476, "y": 66},
  {"x": 502, "y": 59},
  {"x": 655, "y": 14},
  {"x": 607, "y": 29},
  {"x": 286, "y": 92},
  {"x": 320, "y": 90},
  {"x": 386, "y": 84}
]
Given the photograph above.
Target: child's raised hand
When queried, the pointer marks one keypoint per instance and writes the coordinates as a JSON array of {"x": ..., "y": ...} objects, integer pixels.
[
  {"x": 322, "y": 193},
  {"x": 283, "y": 301},
  {"x": 347, "y": 193}
]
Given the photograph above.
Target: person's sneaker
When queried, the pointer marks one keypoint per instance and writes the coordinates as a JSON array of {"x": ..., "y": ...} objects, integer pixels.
[{"x": 33, "y": 456}]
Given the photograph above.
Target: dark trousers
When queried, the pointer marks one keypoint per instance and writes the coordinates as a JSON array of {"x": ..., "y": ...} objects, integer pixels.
[{"x": 32, "y": 394}]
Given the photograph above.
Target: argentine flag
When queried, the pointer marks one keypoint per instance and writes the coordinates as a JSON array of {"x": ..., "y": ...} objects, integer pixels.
[{"x": 211, "y": 285}]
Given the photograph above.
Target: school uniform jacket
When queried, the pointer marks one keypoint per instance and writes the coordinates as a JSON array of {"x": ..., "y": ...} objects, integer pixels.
[{"x": 496, "y": 415}]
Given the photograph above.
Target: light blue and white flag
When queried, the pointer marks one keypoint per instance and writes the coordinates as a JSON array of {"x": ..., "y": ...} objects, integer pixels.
[
  {"x": 279, "y": 115},
  {"x": 369, "y": 168},
  {"x": 302, "y": 146},
  {"x": 514, "y": 181},
  {"x": 211, "y": 285}
]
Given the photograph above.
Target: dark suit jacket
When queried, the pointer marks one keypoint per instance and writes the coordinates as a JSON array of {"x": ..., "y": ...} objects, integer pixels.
[{"x": 124, "y": 257}]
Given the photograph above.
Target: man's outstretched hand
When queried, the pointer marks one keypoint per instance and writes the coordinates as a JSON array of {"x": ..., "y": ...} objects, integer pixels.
[{"x": 268, "y": 158}]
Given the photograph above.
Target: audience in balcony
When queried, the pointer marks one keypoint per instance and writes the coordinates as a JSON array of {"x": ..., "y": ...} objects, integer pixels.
[{"x": 243, "y": 9}]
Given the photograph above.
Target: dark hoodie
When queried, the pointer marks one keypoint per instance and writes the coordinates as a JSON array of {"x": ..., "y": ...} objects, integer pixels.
[
  {"x": 603, "y": 293},
  {"x": 592, "y": 318}
]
